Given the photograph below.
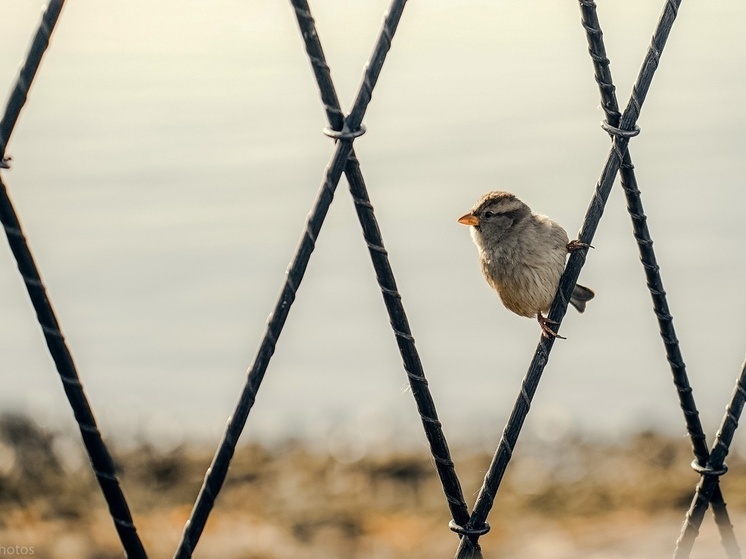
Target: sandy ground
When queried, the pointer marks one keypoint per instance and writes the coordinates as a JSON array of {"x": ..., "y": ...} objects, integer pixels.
[{"x": 570, "y": 500}]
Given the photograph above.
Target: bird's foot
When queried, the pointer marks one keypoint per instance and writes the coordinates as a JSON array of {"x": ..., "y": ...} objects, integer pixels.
[
  {"x": 576, "y": 244},
  {"x": 546, "y": 330}
]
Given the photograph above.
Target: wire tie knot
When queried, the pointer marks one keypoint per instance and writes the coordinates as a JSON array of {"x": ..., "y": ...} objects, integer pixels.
[
  {"x": 468, "y": 531},
  {"x": 708, "y": 470},
  {"x": 618, "y": 132},
  {"x": 344, "y": 134}
]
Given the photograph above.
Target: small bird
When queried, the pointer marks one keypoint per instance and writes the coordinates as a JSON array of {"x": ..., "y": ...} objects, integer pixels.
[{"x": 522, "y": 255}]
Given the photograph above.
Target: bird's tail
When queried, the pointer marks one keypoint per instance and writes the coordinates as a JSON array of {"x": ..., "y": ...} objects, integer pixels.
[{"x": 580, "y": 296}]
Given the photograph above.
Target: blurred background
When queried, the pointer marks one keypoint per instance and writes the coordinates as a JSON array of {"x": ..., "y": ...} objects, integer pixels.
[
  {"x": 163, "y": 169},
  {"x": 170, "y": 152}
]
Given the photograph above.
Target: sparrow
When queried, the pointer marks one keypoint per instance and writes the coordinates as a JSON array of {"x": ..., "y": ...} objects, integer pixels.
[{"x": 522, "y": 255}]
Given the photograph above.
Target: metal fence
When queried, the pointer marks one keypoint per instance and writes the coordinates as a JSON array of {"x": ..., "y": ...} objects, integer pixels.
[{"x": 468, "y": 525}]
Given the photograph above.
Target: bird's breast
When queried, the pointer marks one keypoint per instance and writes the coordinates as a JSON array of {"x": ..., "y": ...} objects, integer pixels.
[{"x": 525, "y": 282}]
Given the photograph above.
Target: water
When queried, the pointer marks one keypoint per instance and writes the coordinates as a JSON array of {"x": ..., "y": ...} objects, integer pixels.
[{"x": 170, "y": 151}]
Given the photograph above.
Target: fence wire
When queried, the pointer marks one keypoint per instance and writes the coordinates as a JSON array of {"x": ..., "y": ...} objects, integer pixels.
[
  {"x": 709, "y": 482},
  {"x": 344, "y": 129},
  {"x": 606, "y": 87},
  {"x": 384, "y": 274},
  {"x": 98, "y": 454},
  {"x": 621, "y": 135},
  {"x": 351, "y": 128}
]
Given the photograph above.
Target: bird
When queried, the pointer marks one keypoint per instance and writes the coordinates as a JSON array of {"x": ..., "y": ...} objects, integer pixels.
[{"x": 522, "y": 255}]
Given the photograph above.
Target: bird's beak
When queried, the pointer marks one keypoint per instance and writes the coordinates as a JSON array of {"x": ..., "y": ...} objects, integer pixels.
[{"x": 469, "y": 219}]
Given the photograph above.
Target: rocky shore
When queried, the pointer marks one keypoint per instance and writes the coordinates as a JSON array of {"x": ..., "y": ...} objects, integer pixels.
[{"x": 572, "y": 499}]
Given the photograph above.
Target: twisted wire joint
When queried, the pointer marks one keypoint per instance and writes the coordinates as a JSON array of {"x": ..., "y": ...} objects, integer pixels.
[
  {"x": 344, "y": 134},
  {"x": 469, "y": 531}
]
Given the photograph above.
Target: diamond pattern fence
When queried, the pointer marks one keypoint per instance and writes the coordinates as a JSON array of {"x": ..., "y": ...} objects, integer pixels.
[{"x": 344, "y": 129}]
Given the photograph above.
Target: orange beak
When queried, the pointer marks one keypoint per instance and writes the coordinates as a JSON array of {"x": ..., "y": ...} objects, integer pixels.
[{"x": 469, "y": 219}]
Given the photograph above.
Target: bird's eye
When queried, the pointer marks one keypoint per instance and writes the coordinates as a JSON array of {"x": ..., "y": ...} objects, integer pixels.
[{"x": 489, "y": 214}]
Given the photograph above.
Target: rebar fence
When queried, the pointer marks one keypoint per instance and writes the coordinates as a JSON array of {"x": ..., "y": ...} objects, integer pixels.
[{"x": 469, "y": 526}]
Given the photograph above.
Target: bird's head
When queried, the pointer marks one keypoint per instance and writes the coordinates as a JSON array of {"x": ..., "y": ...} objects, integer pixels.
[{"x": 494, "y": 215}]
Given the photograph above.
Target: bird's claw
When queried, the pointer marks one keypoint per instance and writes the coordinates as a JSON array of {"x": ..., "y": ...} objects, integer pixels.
[
  {"x": 546, "y": 330},
  {"x": 576, "y": 244}
]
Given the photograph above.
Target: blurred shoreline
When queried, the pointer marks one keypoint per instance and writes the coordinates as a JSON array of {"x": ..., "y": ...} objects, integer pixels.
[{"x": 571, "y": 498}]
